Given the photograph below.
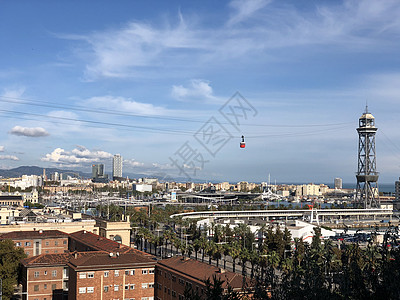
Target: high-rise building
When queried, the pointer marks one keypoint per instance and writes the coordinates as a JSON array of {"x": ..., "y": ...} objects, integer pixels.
[
  {"x": 97, "y": 170},
  {"x": 98, "y": 173},
  {"x": 117, "y": 166},
  {"x": 338, "y": 183},
  {"x": 367, "y": 195}
]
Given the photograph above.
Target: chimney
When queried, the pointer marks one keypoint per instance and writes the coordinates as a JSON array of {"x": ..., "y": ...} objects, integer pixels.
[
  {"x": 221, "y": 270},
  {"x": 117, "y": 254},
  {"x": 40, "y": 231},
  {"x": 111, "y": 254},
  {"x": 75, "y": 255}
]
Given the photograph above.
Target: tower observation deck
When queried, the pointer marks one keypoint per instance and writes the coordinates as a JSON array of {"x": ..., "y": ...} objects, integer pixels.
[{"x": 367, "y": 195}]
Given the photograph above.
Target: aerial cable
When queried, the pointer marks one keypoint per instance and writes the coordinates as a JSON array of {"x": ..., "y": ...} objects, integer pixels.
[{"x": 120, "y": 113}]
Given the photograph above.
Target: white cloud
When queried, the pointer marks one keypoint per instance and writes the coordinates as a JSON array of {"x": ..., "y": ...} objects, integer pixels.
[
  {"x": 13, "y": 93},
  {"x": 141, "y": 49},
  {"x": 29, "y": 131},
  {"x": 133, "y": 163},
  {"x": 198, "y": 90},
  {"x": 125, "y": 105},
  {"x": 78, "y": 155},
  {"x": 8, "y": 157},
  {"x": 245, "y": 9},
  {"x": 1, "y": 148}
]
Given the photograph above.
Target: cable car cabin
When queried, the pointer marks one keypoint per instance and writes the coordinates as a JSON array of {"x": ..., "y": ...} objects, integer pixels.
[{"x": 242, "y": 143}]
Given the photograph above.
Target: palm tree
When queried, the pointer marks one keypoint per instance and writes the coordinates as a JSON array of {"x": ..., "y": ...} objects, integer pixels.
[
  {"x": 234, "y": 252},
  {"x": 197, "y": 247}
]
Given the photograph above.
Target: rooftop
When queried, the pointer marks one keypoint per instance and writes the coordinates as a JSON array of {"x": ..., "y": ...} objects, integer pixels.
[
  {"x": 99, "y": 243},
  {"x": 111, "y": 260},
  {"x": 57, "y": 259},
  {"x": 202, "y": 271},
  {"x": 38, "y": 234}
]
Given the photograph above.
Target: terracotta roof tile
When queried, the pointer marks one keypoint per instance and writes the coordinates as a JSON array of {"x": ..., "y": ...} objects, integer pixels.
[
  {"x": 203, "y": 271},
  {"x": 34, "y": 234},
  {"x": 105, "y": 260},
  {"x": 57, "y": 258},
  {"x": 97, "y": 242}
]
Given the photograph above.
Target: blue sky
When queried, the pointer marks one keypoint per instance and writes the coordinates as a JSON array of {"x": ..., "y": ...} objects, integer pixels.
[{"x": 153, "y": 81}]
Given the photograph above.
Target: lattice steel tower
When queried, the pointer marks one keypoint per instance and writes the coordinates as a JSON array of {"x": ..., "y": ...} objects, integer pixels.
[{"x": 367, "y": 195}]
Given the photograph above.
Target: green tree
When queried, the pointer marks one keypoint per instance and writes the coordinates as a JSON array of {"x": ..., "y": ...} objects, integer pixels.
[{"x": 10, "y": 257}]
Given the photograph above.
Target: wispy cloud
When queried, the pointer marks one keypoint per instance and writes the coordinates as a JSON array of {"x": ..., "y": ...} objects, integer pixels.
[
  {"x": 76, "y": 156},
  {"x": 198, "y": 90},
  {"x": 13, "y": 93},
  {"x": 125, "y": 105},
  {"x": 132, "y": 163},
  {"x": 138, "y": 47},
  {"x": 1, "y": 148},
  {"x": 245, "y": 9},
  {"x": 29, "y": 131},
  {"x": 9, "y": 157}
]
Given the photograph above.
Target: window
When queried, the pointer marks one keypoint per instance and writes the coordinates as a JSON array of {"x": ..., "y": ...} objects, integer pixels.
[
  {"x": 65, "y": 242},
  {"x": 116, "y": 273},
  {"x": 27, "y": 243},
  {"x": 47, "y": 243},
  {"x": 54, "y": 273},
  {"x": 127, "y": 272},
  {"x": 47, "y": 251},
  {"x": 132, "y": 286},
  {"x": 45, "y": 272},
  {"x": 173, "y": 294},
  {"x": 36, "y": 287},
  {"x": 106, "y": 288},
  {"x": 181, "y": 281},
  {"x": 90, "y": 289},
  {"x": 18, "y": 244},
  {"x": 36, "y": 274},
  {"x": 106, "y": 273},
  {"x": 159, "y": 286},
  {"x": 126, "y": 286},
  {"x": 144, "y": 271},
  {"x": 90, "y": 275},
  {"x": 151, "y": 271},
  {"x": 55, "y": 251},
  {"x": 56, "y": 243},
  {"x": 132, "y": 272},
  {"x": 173, "y": 278},
  {"x": 45, "y": 286},
  {"x": 82, "y": 275},
  {"x": 82, "y": 290},
  {"x": 151, "y": 285},
  {"x": 53, "y": 286},
  {"x": 144, "y": 285},
  {"x": 116, "y": 287}
]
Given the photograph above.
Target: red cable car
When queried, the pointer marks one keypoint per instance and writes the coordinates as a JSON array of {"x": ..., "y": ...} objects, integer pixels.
[{"x": 242, "y": 143}]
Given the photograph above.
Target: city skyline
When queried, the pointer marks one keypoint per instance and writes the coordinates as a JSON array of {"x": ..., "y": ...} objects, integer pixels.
[{"x": 80, "y": 82}]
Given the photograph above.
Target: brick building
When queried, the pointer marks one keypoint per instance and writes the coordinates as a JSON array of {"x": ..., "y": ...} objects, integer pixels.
[
  {"x": 40, "y": 241},
  {"x": 174, "y": 275},
  {"x": 112, "y": 276},
  {"x": 87, "y": 241}
]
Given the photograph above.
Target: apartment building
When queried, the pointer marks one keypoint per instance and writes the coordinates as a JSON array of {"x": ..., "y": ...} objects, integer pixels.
[
  {"x": 39, "y": 241},
  {"x": 112, "y": 276},
  {"x": 44, "y": 276},
  {"x": 174, "y": 275}
]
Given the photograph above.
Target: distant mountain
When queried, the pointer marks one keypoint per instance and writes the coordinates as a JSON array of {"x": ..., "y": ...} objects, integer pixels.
[{"x": 34, "y": 170}]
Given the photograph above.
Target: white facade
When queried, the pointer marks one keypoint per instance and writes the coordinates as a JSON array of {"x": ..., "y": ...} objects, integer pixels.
[
  {"x": 117, "y": 166},
  {"x": 27, "y": 181},
  {"x": 142, "y": 187}
]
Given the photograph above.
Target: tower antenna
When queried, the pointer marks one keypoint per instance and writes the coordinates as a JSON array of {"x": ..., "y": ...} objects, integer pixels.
[{"x": 367, "y": 195}]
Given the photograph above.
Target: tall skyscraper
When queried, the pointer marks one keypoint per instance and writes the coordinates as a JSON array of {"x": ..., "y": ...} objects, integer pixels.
[
  {"x": 338, "y": 183},
  {"x": 97, "y": 171},
  {"x": 367, "y": 195},
  {"x": 117, "y": 166}
]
